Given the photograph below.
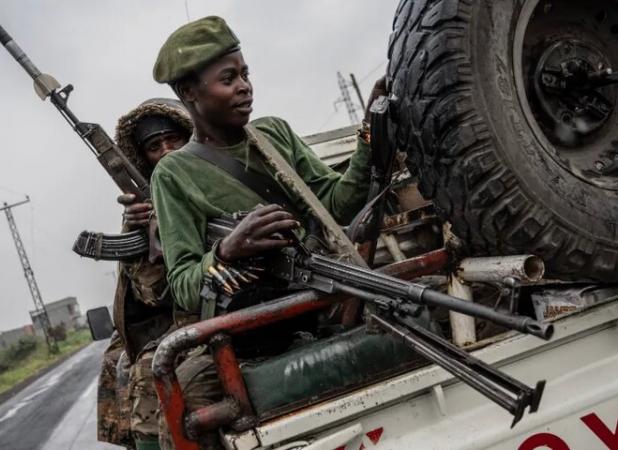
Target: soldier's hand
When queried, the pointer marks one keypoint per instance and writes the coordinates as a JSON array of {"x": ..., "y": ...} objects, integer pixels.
[
  {"x": 379, "y": 88},
  {"x": 135, "y": 214},
  {"x": 257, "y": 233}
]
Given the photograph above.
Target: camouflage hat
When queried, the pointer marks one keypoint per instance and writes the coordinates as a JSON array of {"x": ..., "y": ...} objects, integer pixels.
[{"x": 192, "y": 47}]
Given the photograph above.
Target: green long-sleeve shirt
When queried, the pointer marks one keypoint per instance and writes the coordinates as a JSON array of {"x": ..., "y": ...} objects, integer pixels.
[{"x": 188, "y": 190}]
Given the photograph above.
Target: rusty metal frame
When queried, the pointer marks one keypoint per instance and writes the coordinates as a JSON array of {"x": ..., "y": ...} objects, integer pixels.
[{"x": 236, "y": 409}]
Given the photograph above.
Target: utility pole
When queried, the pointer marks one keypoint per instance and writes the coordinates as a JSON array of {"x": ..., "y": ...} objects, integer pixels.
[
  {"x": 358, "y": 91},
  {"x": 346, "y": 99},
  {"x": 39, "y": 307}
]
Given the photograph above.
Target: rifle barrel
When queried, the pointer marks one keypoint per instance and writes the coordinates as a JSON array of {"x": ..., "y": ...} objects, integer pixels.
[
  {"x": 419, "y": 294},
  {"x": 18, "y": 54}
]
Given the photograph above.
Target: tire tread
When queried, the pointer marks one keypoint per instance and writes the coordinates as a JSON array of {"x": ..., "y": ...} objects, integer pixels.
[{"x": 451, "y": 148}]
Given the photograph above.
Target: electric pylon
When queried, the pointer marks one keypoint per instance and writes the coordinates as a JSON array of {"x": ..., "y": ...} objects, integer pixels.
[
  {"x": 346, "y": 99},
  {"x": 39, "y": 307}
]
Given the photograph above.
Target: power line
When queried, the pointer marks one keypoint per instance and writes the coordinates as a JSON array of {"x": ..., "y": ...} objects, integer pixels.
[
  {"x": 11, "y": 191},
  {"x": 371, "y": 72},
  {"x": 358, "y": 91},
  {"x": 326, "y": 122},
  {"x": 187, "y": 10}
]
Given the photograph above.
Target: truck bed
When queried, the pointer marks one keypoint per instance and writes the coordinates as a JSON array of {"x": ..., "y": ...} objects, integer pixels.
[{"x": 429, "y": 409}]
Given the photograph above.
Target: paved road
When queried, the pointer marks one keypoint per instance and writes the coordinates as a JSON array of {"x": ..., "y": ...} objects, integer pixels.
[{"x": 58, "y": 411}]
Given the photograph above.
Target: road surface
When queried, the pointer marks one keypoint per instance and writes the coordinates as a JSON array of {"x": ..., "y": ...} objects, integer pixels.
[{"x": 58, "y": 411}]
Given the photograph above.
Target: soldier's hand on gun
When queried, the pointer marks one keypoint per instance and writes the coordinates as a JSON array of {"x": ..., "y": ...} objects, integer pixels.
[
  {"x": 260, "y": 231},
  {"x": 135, "y": 215}
]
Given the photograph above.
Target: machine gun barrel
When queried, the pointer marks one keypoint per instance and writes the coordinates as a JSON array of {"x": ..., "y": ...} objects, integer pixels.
[{"x": 387, "y": 286}]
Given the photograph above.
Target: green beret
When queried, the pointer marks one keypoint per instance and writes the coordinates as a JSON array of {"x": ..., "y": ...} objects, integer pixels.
[{"x": 192, "y": 47}]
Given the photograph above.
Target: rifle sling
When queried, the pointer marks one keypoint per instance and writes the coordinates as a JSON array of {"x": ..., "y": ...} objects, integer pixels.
[
  {"x": 262, "y": 185},
  {"x": 288, "y": 175}
]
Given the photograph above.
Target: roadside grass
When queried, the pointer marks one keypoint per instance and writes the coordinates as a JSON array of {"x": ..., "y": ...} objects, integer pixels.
[{"x": 40, "y": 358}]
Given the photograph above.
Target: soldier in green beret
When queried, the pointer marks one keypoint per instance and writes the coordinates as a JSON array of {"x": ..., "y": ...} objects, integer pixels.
[{"x": 203, "y": 64}]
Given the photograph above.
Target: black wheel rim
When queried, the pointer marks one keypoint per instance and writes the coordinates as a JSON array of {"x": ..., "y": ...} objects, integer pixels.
[{"x": 565, "y": 59}]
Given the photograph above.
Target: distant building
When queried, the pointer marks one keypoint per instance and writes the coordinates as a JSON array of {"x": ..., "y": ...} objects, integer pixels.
[
  {"x": 63, "y": 312},
  {"x": 10, "y": 337}
]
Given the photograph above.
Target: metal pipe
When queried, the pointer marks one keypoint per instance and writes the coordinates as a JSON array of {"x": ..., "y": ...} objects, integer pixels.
[
  {"x": 230, "y": 376},
  {"x": 166, "y": 382},
  {"x": 525, "y": 268},
  {"x": 211, "y": 417},
  {"x": 407, "y": 246},
  {"x": 426, "y": 264},
  {"x": 393, "y": 247},
  {"x": 463, "y": 327}
]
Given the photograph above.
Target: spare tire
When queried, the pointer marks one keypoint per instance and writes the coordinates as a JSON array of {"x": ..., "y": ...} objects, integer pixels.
[{"x": 507, "y": 111}]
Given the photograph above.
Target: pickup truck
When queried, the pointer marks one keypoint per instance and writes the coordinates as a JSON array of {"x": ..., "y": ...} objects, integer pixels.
[{"x": 385, "y": 404}]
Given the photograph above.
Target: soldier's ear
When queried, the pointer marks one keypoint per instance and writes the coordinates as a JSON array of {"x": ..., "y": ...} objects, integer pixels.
[{"x": 185, "y": 90}]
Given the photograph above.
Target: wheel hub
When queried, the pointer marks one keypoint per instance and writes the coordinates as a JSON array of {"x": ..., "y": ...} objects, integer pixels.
[
  {"x": 572, "y": 82},
  {"x": 565, "y": 54}
]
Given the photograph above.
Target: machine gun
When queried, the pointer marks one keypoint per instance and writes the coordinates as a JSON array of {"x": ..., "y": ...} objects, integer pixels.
[{"x": 398, "y": 304}]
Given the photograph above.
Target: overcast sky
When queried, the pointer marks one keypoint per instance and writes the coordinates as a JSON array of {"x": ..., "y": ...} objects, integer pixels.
[{"x": 106, "y": 50}]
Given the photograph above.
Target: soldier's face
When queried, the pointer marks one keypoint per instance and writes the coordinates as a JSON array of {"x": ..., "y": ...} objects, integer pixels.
[
  {"x": 157, "y": 147},
  {"x": 223, "y": 94}
]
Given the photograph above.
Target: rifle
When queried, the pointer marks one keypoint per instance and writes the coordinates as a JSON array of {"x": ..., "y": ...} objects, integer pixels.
[
  {"x": 364, "y": 227},
  {"x": 124, "y": 174}
]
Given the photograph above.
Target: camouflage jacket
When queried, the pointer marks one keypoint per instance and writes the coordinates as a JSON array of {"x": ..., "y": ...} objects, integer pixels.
[{"x": 142, "y": 304}]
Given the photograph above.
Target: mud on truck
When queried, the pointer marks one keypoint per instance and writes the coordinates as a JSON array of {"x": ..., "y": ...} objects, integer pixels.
[{"x": 491, "y": 237}]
